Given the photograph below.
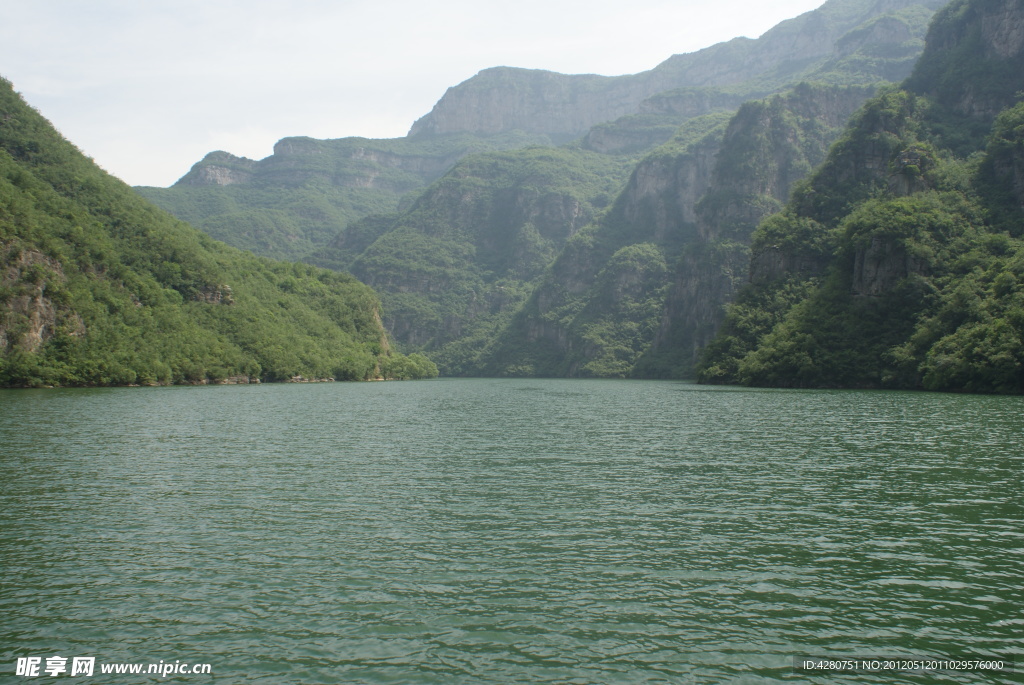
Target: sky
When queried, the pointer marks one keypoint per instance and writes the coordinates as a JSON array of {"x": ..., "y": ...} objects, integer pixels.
[{"x": 148, "y": 87}]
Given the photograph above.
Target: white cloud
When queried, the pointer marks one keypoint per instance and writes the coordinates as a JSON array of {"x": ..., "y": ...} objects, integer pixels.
[{"x": 147, "y": 88}]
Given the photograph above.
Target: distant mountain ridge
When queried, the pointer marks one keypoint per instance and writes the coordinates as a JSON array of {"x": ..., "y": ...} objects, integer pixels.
[
  {"x": 299, "y": 198},
  {"x": 640, "y": 287},
  {"x": 565, "y": 106},
  {"x": 296, "y": 200}
]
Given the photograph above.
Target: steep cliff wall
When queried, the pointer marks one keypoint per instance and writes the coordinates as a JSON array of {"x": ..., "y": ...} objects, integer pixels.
[
  {"x": 769, "y": 146},
  {"x": 597, "y": 306},
  {"x": 29, "y": 316},
  {"x": 643, "y": 291},
  {"x": 973, "y": 56}
]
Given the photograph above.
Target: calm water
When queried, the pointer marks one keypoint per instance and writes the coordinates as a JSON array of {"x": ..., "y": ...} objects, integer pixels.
[{"x": 508, "y": 531}]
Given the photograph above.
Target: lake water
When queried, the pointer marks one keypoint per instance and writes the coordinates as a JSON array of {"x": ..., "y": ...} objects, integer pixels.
[{"x": 509, "y": 531}]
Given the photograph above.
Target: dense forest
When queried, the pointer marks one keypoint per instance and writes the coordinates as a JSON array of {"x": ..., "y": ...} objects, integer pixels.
[
  {"x": 899, "y": 262},
  {"x": 99, "y": 287}
]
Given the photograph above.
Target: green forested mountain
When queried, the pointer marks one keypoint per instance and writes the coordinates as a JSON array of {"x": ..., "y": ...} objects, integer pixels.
[
  {"x": 640, "y": 290},
  {"x": 297, "y": 200},
  {"x": 610, "y": 255},
  {"x": 456, "y": 299},
  {"x": 899, "y": 263},
  {"x": 99, "y": 287},
  {"x": 459, "y": 262}
]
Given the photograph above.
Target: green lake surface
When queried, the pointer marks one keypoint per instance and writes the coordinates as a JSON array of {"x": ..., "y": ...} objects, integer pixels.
[{"x": 509, "y": 531}]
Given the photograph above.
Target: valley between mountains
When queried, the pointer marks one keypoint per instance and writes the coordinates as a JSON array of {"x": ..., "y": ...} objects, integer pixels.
[{"x": 837, "y": 203}]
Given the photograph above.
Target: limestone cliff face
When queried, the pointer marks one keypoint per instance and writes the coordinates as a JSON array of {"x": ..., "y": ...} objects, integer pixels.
[
  {"x": 880, "y": 265},
  {"x": 220, "y": 169},
  {"x": 1007, "y": 164},
  {"x": 973, "y": 54},
  {"x": 615, "y": 272},
  {"x": 702, "y": 284},
  {"x": 663, "y": 193},
  {"x": 567, "y": 106},
  {"x": 768, "y": 147},
  {"x": 503, "y": 99},
  {"x": 1002, "y": 31},
  {"x": 29, "y": 316},
  {"x": 345, "y": 163}
]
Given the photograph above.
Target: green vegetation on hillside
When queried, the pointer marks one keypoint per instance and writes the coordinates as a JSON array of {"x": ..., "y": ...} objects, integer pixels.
[
  {"x": 544, "y": 260},
  {"x": 99, "y": 287},
  {"x": 296, "y": 201},
  {"x": 636, "y": 293},
  {"x": 899, "y": 264},
  {"x": 454, "y": 267}
]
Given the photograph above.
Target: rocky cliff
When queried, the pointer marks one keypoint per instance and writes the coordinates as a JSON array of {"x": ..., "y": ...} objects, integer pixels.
[
  {"x": 566, "y": 106},
  {"x": 645, "y": 290},
  {"x": 897, "y": 264},
  {"x": 30, "y": 317}
]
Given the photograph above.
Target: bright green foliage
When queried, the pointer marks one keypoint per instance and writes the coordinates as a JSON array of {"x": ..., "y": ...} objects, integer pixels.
[
  {"x": 622, "y": 314},
  {"x": 99, "y": 287},
  {"x": 1001, "y": 174},
  {"x": 412, "y": 367}
]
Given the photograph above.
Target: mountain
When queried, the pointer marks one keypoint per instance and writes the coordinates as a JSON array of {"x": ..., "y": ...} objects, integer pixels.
[
  {"x": 99, "y": 287},
  {"x": 445, "y": 291},
  {"x": 641, "y": 290},
  {"x": 899, "y": 262},
  {"x": 878, "y": 36},
  {"x": 459, "y": 261},
  {"x": 298, "y": 199}
]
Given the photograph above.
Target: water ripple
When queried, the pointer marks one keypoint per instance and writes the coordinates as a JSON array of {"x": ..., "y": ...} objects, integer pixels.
[{"x": 486, "y": 531}]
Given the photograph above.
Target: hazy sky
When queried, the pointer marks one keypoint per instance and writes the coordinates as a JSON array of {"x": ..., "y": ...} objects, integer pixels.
[{"x": 148, "y": 87}]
